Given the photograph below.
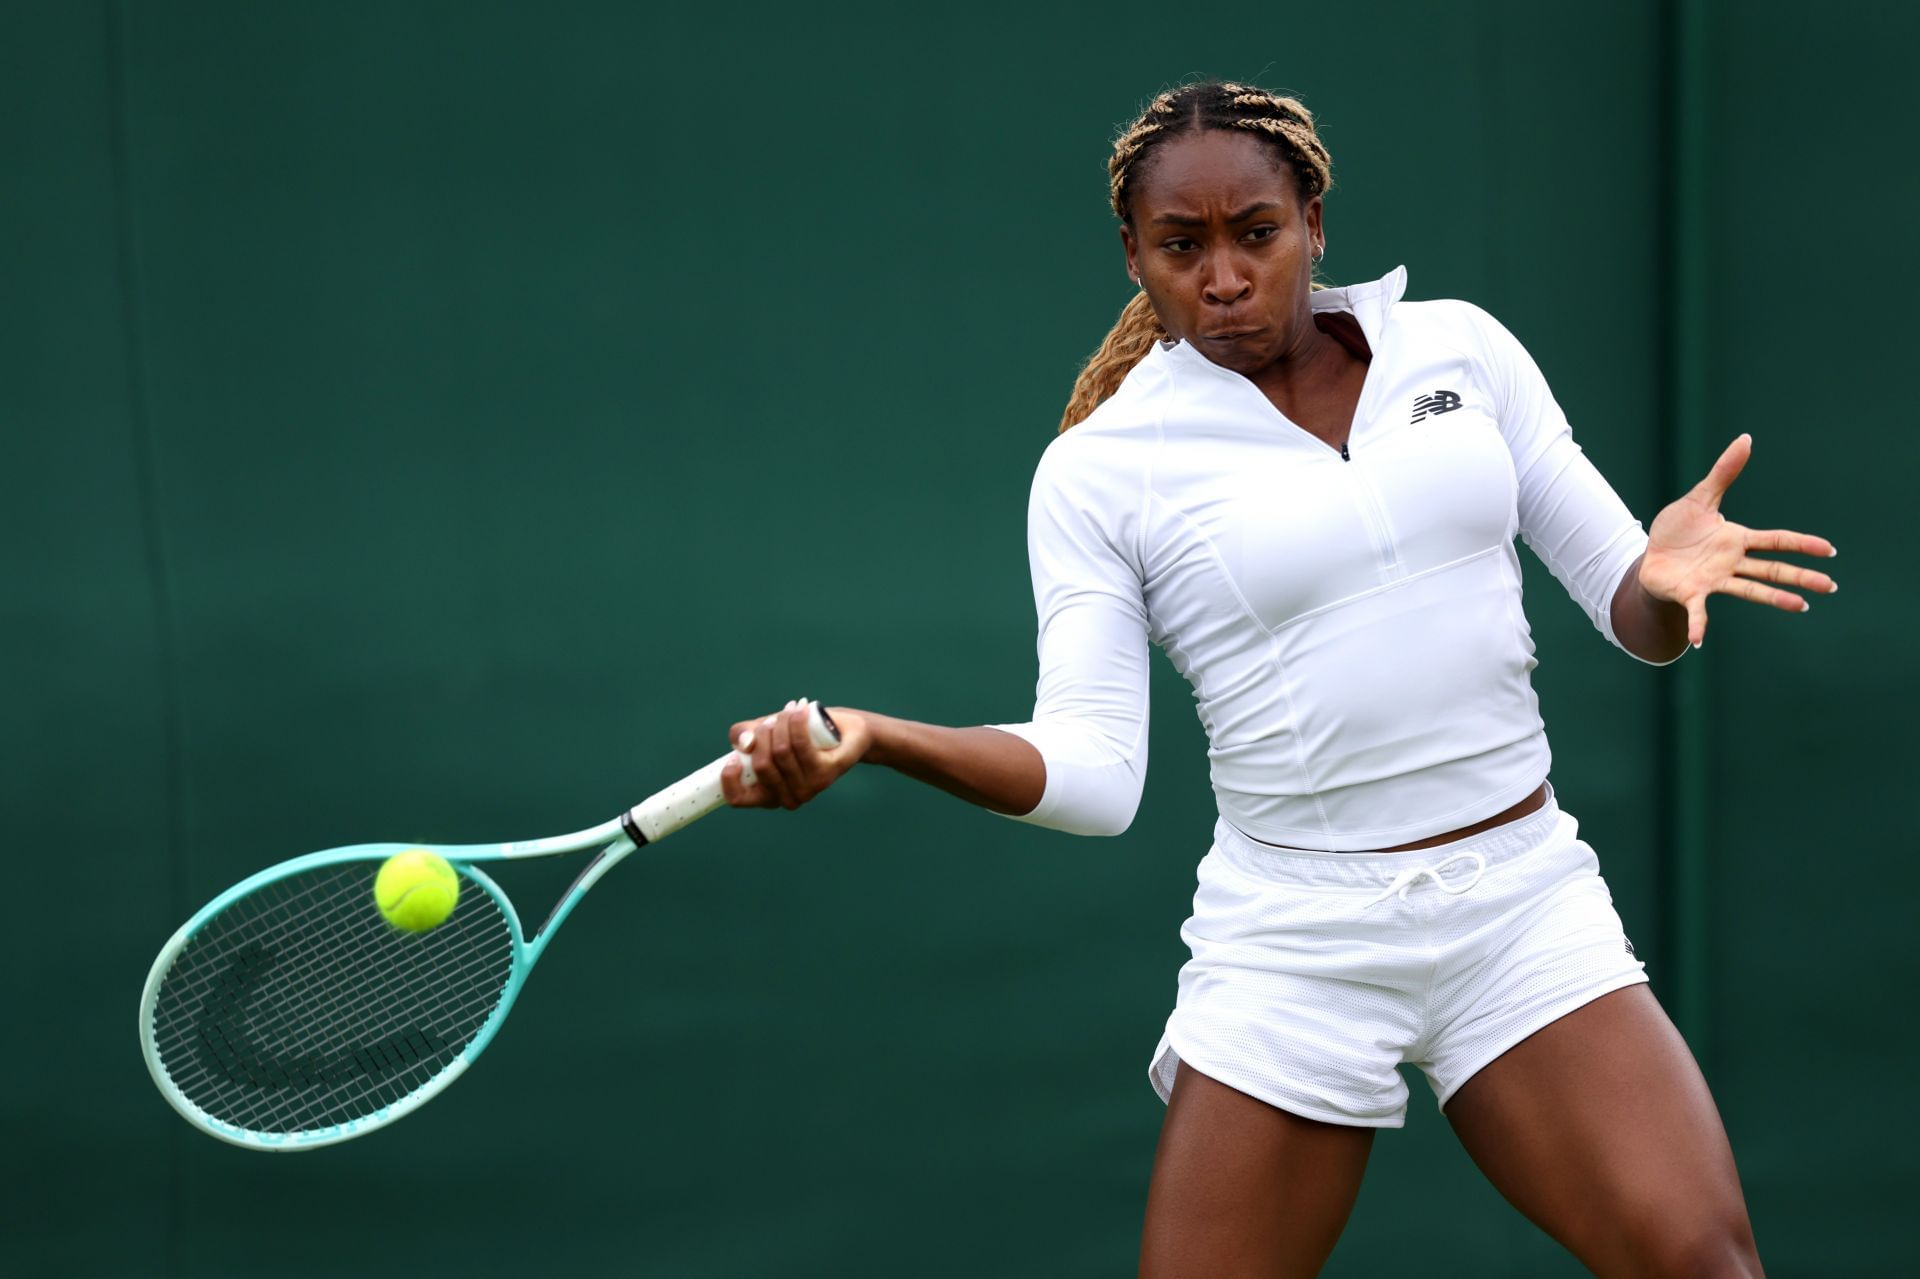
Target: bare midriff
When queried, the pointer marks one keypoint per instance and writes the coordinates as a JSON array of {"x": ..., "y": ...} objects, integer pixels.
[{"x": 1531, "y": 804}]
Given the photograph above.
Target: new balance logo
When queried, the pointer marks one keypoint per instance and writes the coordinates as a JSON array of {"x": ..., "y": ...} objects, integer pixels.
[{"x": 1434, "y": 405}]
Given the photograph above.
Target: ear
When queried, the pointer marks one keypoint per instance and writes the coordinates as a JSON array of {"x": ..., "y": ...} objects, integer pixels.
[
  {"x": 1132, "y": 250},
  {"x": 1316, "y": 234}
]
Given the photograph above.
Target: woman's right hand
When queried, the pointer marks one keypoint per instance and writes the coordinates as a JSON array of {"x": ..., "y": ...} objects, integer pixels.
[{"x": 788, "y": 769}]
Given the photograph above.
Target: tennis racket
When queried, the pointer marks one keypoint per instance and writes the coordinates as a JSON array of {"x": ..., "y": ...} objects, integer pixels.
[{"x": 288, "y": 1013}]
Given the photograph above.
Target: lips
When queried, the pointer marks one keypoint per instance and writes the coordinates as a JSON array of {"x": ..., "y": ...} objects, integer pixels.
[{"x": 1230, "y": 335}]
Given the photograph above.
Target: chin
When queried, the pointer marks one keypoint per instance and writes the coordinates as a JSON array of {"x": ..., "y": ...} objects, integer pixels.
[{"x": 1244, "y": 358}]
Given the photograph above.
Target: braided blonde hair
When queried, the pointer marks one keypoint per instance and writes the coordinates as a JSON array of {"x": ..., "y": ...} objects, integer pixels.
[{"x": 1189, "y": 109}]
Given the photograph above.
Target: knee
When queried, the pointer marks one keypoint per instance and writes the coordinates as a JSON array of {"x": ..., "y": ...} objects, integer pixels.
[{"x": 1716, "y": 1249}]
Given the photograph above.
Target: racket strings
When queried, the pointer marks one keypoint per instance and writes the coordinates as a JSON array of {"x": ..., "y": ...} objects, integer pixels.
[{"x": 299, "y": 1007}]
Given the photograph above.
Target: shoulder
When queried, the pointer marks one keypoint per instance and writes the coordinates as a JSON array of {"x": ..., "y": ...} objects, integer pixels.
[
  {"x": 1489, "y": 349},
  {"x": 1452, "y": 322},
  {"x": 1114, "y": 446},
  {"x": 1091, "y": 468}
]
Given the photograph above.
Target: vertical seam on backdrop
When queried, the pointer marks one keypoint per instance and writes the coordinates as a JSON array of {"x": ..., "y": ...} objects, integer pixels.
[
  {"x": 140, "y": 423},
  {"x": 1493, "y": 27},
  {"x": 159, "y": 586},
  {"x": 1688, "y": 347}
]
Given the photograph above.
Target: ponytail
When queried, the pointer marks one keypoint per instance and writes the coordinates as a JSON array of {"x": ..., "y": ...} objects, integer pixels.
[{"x": 1132, "y": 337}]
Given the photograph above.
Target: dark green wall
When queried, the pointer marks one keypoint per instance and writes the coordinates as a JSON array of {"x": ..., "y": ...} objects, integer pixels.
[
  {"x": 440, "y": 420},
  {"x": 1811, "y": 1025}
]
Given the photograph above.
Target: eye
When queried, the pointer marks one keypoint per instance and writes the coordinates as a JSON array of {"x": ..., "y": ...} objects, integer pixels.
[
  {"x": 1261, "y": 233},
  {"x": 1178, "y": 244}
]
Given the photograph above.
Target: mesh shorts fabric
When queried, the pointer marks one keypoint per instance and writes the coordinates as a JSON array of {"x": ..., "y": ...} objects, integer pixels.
[{"x": 1315, "y": 975}]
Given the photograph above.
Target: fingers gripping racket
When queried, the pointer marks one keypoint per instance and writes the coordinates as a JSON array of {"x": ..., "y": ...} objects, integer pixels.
[{"x": 288, "y": 1013}]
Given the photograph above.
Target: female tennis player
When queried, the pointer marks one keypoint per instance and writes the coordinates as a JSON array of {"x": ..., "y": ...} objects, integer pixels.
[{"x": 1308, "y": 498}]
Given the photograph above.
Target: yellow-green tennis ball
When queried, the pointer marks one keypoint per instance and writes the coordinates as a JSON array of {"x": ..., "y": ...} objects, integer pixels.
[{"x": 416, "y": 890}]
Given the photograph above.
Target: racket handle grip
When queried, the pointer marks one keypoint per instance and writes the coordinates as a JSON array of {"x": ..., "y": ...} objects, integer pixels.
[{"x": 698, "y": 793}]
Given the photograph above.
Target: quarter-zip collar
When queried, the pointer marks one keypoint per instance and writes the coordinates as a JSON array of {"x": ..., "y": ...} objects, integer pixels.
[{"x": 1369, "y": 303}]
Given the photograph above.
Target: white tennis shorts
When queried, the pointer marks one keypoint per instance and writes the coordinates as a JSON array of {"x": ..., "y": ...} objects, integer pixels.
[{"x": 1315, "y": 975}]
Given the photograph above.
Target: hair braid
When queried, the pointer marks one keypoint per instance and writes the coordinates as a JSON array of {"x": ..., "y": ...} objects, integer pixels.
[
  {"x": 1284, "y": 122},
  {"x": 1137, "y": 329},
  {"x": 1125, "y": 148},
  {"x": 1304, "y": 148}
]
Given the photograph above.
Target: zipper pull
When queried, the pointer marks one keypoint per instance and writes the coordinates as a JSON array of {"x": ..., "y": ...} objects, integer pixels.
[{"x": 1344, "y": 455}]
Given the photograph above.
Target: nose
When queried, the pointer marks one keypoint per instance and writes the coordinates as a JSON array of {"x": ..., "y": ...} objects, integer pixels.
[{"x": 1225, "y": 283}]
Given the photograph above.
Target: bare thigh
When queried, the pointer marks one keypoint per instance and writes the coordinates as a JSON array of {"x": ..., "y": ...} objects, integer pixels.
[
  {"x": 1601, "y": 1130},
  {"x": 1241, "y": 1188}
]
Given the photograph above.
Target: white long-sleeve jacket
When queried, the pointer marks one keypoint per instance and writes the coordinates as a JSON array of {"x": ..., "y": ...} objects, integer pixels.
[{"x": 1351, "y": 626}]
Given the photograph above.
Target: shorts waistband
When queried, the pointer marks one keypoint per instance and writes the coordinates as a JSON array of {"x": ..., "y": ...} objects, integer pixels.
[{"x": 1305, "y": 866}]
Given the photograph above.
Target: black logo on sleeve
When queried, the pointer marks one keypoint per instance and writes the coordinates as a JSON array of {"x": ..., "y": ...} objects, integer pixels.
[{"x": 1434, "y": 405}]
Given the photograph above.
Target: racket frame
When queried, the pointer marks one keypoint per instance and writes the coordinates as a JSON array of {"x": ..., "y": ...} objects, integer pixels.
[{"x": 654, "y": 818}]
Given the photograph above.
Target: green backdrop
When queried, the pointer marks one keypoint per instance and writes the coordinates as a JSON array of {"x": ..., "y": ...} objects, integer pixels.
[{"x": 440, "y": 420}]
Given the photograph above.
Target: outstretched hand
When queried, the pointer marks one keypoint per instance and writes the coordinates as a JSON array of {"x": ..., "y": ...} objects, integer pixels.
[{"x": 1693, "y": 551}]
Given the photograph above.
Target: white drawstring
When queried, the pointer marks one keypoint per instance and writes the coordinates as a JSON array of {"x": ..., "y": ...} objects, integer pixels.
[{"x": 1406, "y": 879}]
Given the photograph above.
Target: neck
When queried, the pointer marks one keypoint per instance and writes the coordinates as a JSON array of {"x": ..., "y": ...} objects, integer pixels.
[{"x": 1312, "y": 362}]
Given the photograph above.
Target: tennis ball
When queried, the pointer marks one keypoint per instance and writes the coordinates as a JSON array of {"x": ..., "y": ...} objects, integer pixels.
[{"x": 416, "y": 890}]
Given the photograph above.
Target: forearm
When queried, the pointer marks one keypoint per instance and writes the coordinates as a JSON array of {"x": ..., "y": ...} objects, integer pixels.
[
  {"x": 983, "y": 766},
  {"x": 1653, "y": 630}
]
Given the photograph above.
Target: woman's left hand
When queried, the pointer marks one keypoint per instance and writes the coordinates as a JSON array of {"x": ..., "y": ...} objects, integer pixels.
[{"x": 1693, "y": 551}]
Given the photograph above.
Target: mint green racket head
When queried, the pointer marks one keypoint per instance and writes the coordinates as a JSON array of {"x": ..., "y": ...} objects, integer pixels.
[{"x": 289, "y": 1014}]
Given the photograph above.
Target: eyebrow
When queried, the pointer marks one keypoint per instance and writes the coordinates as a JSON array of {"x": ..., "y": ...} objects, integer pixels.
[{"x": 1175, "y": 219}]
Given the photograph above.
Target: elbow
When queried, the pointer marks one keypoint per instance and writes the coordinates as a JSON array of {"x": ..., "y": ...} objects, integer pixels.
[
  {"x": 1113, "y": 821},
  {"x": 1120, "y": 809},
  {"x": 1091, "y": 805},
  {"x": 1093, "y": 785}
]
